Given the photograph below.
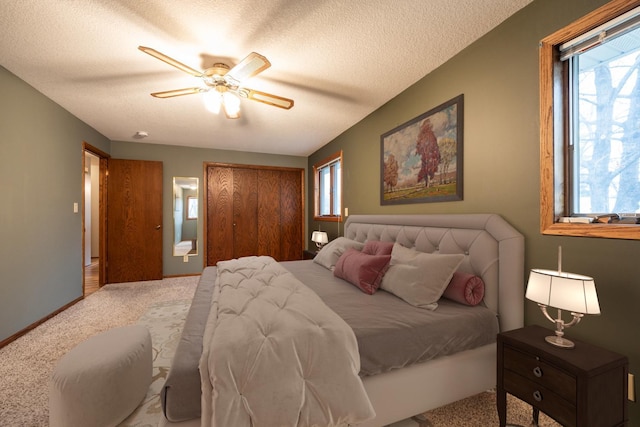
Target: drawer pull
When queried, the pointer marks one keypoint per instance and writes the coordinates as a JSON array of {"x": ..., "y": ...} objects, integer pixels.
[
  {"x": 537, "y": 396},
  {"x": 537, "y": 371}
]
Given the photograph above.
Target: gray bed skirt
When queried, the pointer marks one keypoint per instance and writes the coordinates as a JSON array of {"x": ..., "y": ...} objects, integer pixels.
[{"x": 178, "y": 389}]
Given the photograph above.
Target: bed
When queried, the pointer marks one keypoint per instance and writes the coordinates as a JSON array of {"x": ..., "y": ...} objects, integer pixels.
[{"x": 489, "y": 248}]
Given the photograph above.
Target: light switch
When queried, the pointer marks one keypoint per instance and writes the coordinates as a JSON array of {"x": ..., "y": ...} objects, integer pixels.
[
  {"x": 346, "y": 211},
  {"x": 75, "y": 207}
]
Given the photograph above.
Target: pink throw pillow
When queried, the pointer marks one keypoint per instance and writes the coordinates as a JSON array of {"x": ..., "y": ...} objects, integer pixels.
[
  {"x": 362, "y": 270},
  {"x": 377, "y": 247},
  {"x": 465, "y": 288}
]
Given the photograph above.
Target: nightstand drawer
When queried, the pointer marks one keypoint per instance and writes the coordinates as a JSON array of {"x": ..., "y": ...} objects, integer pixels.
[
  {"x": 541, "y": 397},
  {"x": 582, "y": 387},
  {"x": 536, "y": 370}
]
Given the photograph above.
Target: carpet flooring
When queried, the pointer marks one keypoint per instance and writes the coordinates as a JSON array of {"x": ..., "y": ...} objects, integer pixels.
[{"x": 27, "y": 363}]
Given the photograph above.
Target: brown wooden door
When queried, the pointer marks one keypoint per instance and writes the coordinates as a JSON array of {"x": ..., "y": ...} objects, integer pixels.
[
  {"x": 253, "y": 211},
  {"x": 219, "y": 216},
  {"x": 245, "y": 212},
  {"x": 134, "y": 221},
  {"x": 291, "y": 208},
  {"x": 269, "y": 238}
]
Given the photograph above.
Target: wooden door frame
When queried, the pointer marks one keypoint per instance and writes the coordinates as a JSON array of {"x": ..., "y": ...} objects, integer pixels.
[
  {"x": 205, "y": 195},
  {"x": 102, "y": 206}
]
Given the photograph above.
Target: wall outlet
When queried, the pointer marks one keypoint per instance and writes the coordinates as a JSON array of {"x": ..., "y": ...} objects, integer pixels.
[
  {"x": 75, "y": 208},
  {"x": 185, "y": 258},
  {"x": 346, "y": 212},
  {"x": 632, "y": 389}
]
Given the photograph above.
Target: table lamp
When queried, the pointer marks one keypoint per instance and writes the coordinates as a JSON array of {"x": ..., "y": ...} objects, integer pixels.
[
  {"x": 564, "y": 291},
  {"x": 320, "y": 238}
]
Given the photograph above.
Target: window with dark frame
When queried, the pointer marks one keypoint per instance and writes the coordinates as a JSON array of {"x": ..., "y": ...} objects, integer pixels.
[
  {"x": 328, "y": 188},
  {"x": 590, "y": 125},
  {"x": 603, "y": 70}
]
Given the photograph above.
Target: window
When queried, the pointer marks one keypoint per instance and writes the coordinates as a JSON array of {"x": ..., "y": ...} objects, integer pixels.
[
  {"x": 328, "y": 188},
  {"x": 192, "y": 207},
  {"x": 590, "y": 123}
]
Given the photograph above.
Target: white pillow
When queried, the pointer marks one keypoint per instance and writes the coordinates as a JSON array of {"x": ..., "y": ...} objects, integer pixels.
[
  {"x": 419, "y": 278},
  {"x": 329, "y": 254}
]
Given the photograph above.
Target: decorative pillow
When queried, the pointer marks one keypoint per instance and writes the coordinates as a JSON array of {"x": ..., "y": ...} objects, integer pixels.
[
  {"x": 377, "y": 247},
  {"x": 363, "y": 270},
  {"x": 419, "y": 278},
  {"x": 465, "y": 288},
  {"x": 329, "y": 254}
]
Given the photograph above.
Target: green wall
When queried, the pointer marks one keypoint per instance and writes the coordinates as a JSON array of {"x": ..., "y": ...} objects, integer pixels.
[
  {"x": 498, "y": 76},
  {"x": 185, "y": 161},
  {"x": 41, "y": 175},
  {"x": 41, "y": 178}
]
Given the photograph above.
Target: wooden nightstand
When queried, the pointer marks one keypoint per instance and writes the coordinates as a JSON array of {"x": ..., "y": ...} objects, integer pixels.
[
  {"x": 309, "y": 254},
  {"x": 585, "y": 386}
]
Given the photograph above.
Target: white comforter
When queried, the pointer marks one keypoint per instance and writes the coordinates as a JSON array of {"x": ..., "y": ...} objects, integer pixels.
[{"x": 275, "y": 355}]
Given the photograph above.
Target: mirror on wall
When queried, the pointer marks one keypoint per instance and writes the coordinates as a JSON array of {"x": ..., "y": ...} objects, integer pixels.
[{"x": 185, "y": 216}]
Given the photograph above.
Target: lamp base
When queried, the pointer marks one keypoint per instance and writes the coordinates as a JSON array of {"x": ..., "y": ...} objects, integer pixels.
[{"x": 560, "y": 341}]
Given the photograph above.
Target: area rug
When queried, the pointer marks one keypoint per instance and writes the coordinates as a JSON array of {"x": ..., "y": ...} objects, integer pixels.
[{"x": 164, "y": 321}]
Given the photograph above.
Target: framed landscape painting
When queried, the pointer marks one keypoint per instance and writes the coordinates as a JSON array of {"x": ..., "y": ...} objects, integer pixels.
[{"x": 421, "y": 160}]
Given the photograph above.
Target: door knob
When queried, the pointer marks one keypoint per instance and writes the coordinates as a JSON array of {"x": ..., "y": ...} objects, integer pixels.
[{"x": 158, "y": 227}]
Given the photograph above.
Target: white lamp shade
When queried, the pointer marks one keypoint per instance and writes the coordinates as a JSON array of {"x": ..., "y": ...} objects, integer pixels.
[
  {"x": 231, "y": 105},
  {"x": 319, "y": 237},
  {"x": 566, "y": 291},
  {"x": 212, "y": 101}
]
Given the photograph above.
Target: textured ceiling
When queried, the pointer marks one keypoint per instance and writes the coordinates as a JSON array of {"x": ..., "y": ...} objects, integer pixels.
[{"x": 338, "y": 59}]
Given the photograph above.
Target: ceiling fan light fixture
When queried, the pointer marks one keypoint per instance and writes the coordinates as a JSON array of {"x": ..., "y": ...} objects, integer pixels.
[
  {"x": 212, "y": 101},
  {"x": 231, "y": 105},
  {"x": 222, "y": 84}
]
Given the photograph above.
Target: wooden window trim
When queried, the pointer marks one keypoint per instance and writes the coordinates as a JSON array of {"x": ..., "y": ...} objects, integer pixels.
[
  {"x": 316, "y": 186},
  {"x": 553, "y": 127}
]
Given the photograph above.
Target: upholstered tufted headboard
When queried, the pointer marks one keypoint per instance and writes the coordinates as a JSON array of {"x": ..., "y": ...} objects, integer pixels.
[{"x": 493, "y": 250}]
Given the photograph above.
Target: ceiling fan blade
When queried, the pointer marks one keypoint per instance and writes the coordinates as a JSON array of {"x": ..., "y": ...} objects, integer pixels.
[
  {"x": 253, "y": 64},
  {"x": 162, "y": 57},
  {"x": 178, "y": 92},
  {"x": 266, "y": 98}
]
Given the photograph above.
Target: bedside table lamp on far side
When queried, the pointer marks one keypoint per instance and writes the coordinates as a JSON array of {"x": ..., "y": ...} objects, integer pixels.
[
  {"x": 564, "y": 291},
  {"x": 320, "y": 238}
]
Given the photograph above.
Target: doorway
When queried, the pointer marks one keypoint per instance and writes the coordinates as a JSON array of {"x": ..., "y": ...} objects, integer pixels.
[
  {"x": 94, "y": 164},
  {"x": 91, "y": 260}
]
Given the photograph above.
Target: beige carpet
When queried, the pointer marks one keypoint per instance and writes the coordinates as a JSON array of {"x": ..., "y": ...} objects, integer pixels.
[{"x": 27, "y": 363}]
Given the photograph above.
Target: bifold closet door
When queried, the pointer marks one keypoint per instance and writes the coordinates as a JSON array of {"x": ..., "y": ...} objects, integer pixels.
[
  {"x": 291, "y": 216},
  {"x": 268, "y": 218},
  {"x": 254, "y": 211},
  {"x": 245, "y": 212},
  {"x": 219, "y": 216}
]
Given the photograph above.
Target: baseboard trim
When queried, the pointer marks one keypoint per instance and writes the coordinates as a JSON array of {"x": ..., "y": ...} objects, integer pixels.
[
  {"x": 172, "y": 276},
  {"x": 38, "y": 323}
]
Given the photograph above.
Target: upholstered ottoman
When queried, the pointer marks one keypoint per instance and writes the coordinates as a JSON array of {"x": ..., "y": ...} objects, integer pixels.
[{"x": 102, "y": 380}]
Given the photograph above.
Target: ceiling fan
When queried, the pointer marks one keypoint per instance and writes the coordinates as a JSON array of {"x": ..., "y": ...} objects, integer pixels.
[{"x": 223, "y": 85}]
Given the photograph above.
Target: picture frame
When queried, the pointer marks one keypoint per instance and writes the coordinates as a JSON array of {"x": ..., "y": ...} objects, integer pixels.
[{"x": 421, "y": 160}]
